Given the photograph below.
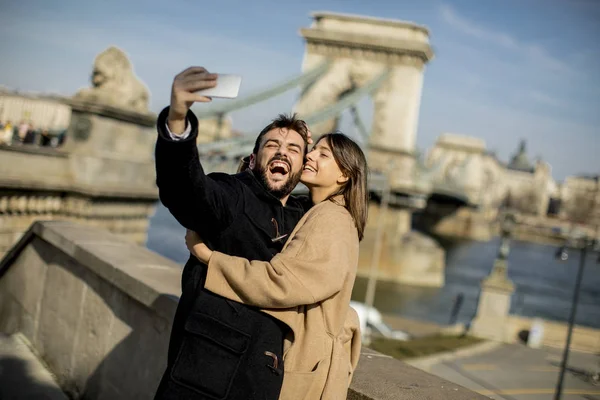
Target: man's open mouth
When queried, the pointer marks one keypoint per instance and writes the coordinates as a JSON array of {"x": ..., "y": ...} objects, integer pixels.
[{"x": 279, "y": 168}]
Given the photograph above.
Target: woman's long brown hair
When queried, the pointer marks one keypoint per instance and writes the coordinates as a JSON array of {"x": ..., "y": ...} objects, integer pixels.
[{"x": 352, "y": 162}]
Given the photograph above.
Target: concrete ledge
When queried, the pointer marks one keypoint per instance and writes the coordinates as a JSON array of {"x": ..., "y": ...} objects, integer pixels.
[
  {"x": 98, "y": 311},
  {"x": 81, "y": 105},
  {"x": 382, "y": 377},
  {"x": 35, "y": 149},
  {"x": 142, "y": 274},
  {"x": 425, "y": 363}
]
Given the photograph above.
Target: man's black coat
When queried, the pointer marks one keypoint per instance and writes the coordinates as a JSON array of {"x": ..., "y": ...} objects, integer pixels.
[{"x": 217, "y": 346}]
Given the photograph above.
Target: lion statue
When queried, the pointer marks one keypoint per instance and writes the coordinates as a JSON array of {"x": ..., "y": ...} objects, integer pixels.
[{"x": 115, "y": 84}]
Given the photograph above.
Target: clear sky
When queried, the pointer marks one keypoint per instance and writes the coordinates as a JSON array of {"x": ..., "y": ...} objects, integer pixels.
[{"x": 503, "y": 71}]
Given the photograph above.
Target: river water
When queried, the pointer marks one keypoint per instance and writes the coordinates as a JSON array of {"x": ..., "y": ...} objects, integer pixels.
[{"x": 544, "y": 286}]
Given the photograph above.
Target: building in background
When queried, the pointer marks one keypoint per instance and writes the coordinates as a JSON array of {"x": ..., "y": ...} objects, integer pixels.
[
  {"x": 528, "y": 187},
  {"x": 580, "y": 201},
  {"x": 519, "y": 184}
]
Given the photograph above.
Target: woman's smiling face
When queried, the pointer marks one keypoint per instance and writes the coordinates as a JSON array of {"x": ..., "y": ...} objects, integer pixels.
[{"x": 321, "y": 169}]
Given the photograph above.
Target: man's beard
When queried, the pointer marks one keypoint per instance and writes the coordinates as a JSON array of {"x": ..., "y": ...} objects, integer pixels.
[{"x": 288, "y": 186}]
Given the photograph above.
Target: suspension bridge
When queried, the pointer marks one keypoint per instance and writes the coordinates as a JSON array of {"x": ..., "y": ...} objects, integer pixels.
[{"x": 418, "y": 183}]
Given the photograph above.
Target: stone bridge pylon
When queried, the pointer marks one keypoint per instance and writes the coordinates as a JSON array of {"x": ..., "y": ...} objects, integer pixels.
[{"x": 359, "y": 50}]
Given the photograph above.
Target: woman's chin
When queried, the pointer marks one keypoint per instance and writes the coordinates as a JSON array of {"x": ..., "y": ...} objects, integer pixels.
[{"x": 306, "y": 181}]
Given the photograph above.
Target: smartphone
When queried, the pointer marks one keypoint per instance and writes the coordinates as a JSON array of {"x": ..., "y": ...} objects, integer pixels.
[{"x": 228, "y": 87}]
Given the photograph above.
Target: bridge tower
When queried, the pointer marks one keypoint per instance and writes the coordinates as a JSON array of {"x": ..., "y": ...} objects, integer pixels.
[{"x": 359, "y": 49}]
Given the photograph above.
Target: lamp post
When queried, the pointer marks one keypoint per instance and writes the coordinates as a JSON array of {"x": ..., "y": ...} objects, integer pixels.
[
  {"x": 507, "y": 225},
  {"x": 584, "y": 245}
]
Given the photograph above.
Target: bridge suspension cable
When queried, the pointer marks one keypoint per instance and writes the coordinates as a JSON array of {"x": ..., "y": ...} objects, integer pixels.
[
  {"x": 235, "y": 146},
  {"x": 304, "y": 79},
  {"x": 362, "y": 129}
]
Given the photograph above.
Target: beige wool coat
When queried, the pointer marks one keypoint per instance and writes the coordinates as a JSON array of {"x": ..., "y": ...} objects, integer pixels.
[{"x": 316, "y": 268}]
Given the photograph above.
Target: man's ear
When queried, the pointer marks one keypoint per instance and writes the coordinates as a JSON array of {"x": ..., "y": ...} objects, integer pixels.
[
  {"x": 244, "y": 164},
  {"x": 252, "y": 162}
]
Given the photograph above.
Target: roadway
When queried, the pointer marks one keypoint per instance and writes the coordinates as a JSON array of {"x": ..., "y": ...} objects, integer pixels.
[{"x": 516, "y": 372}]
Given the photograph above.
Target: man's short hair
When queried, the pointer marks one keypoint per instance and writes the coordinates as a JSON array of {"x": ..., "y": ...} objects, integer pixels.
[{"x": 290, "y": 122}]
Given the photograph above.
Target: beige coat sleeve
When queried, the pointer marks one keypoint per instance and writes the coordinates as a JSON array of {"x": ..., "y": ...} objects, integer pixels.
[{"x": 311, "y": 268}]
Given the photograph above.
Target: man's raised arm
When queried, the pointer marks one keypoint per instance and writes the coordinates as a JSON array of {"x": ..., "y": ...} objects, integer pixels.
[{"x": 195, "y": 200}]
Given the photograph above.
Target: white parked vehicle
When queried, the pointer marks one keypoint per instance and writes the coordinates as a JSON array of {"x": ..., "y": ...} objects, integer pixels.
[{"x": 371, "y": 323}]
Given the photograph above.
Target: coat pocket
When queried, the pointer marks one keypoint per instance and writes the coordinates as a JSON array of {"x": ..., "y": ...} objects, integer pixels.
[
  {"x": 298, "y": 385},
  {"x": 209, "y": 356}
]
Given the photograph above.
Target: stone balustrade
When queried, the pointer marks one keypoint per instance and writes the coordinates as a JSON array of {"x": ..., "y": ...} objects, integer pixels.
[
  {"x": 98, "y": 311},
  {"x": 103, "y": 175}
]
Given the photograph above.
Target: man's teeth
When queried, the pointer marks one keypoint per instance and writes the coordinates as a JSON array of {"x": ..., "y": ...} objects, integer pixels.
[{"x": 279, "y": 164}]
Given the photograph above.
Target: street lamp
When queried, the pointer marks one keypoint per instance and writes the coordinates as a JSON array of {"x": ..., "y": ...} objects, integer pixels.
[
  {"x": 507, "y": 226},
  {"x": 583, "y": 245}
]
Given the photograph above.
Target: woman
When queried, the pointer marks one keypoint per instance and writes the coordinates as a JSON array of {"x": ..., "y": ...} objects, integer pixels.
[{"x": 308, "y": 285}]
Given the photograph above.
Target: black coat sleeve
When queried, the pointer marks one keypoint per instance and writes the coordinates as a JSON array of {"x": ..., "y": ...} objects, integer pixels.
[{"x": 200, "y": 202}]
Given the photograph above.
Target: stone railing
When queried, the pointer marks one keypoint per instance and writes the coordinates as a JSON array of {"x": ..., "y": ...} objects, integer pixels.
[
  {"x": 98, "y": 311},
  {"x": 103, "y": 175}
]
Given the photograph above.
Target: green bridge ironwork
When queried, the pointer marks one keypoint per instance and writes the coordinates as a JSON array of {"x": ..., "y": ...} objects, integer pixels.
[{"x": 224, "y": 155}]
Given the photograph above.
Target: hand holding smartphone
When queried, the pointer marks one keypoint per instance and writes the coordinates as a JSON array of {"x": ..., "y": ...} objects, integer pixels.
[
  {"x": 228, "y": 87},
  {"x": 196, "y": 84}
]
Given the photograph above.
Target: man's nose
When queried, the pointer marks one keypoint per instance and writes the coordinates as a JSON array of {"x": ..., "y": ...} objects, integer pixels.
[{"x": 283, "y": 153}]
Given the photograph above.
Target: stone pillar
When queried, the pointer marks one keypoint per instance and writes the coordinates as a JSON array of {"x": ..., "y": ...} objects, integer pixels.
[
  {"x": 397, "y": 104},
  {"x": 111, "y": 149},
  {"x": 395, "y": 121},
  {"x": 494, "y": 304}
]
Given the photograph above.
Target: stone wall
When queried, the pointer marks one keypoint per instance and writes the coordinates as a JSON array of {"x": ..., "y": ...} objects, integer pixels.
[
  {"x": 88, "y": 304},
  {"x": 103, "y": 175},
  {"x": 98, "y": 312}
]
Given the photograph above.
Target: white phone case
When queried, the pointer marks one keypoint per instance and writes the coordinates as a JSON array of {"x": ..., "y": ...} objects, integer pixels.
[{"x": 228, "y": 86}]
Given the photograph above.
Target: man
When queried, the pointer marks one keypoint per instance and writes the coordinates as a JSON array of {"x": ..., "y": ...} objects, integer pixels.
[{"x": 220, "y": 349}]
